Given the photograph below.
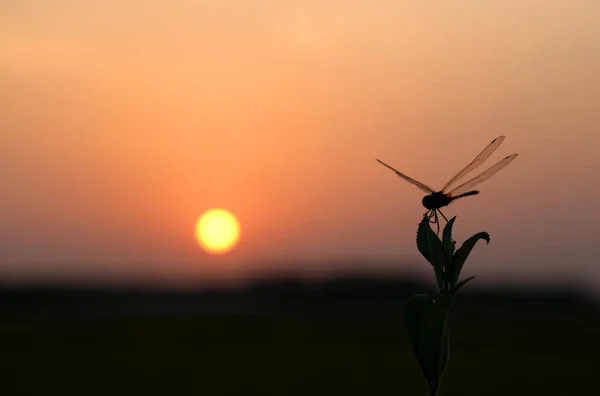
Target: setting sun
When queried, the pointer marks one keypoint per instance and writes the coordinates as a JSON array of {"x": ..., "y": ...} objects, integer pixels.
[{"x": 217, "y": 231}]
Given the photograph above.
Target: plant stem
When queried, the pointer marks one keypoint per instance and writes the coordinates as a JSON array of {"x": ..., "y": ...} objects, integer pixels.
[{"x": 432, "y": 390}]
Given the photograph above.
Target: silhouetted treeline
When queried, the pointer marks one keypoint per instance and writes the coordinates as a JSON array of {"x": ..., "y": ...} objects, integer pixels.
[{"x": 276, "y": 296}]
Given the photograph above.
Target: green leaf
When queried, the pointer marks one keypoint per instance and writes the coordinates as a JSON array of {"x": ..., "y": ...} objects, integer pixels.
[
  {"x": 430, "y": 247},
  {"x": 427, "y": 241},
  {"x": 442, "y": 309},
  {"x": 462, "y": 253},
  {"x": 426, "y": 322},
  {"x": 444, "y": 359},
  {"x": 425, "y": 327},
  {"x": 452, "y": 292},
  {"x": 449, "y": 244},
  {"x": 444, "y": 302}
]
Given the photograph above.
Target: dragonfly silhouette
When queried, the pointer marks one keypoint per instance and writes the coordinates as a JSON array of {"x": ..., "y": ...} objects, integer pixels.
[{"x": 438, "y": 199}]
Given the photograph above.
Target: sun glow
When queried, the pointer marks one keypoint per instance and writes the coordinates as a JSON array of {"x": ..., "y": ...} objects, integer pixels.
[{"x": 217, "y": 231}]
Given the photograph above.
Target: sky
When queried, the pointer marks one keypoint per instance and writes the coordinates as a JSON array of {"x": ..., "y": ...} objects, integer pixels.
[{"x": 122, "y": 122}]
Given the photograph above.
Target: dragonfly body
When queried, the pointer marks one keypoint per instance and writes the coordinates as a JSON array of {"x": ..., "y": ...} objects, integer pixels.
[
  {"x": 439, "y": 199},
  {"x": 435, "y": 200}
]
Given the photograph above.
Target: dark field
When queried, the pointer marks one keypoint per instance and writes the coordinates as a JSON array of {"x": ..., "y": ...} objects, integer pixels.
[{"x": 500, "y": 345}]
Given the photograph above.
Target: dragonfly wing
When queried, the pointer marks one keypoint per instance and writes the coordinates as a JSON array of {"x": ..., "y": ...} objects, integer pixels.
[
  {"x": 422, "y": 186},
  {"x": 476, "y": 162},
  {"x": 463, "y": 188}
]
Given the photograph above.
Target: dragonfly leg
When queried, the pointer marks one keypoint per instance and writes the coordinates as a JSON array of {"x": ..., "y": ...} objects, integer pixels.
[
  {"x": 452, "y": 240},
  {"x": 443, "y": 215},
  {"x": 432, "y": 217},
  {"x": 429, "y": 215}
]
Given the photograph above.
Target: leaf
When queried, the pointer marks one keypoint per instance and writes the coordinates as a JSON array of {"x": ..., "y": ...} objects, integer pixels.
[
  {"x": 462, "y": 253},
  {"x": 426, "y": 322},
  {"x": 448, "y": 243},
  {"x": 444, "y": 302},
  {"x": 430, "y": 247},
  {"x": 427, "y": 241},
  {"x": 437, "y": 323},
  {"x": 444, "y": 359},
  {"x": 452, "y": 292},
  {"x": 425, "y": 327}
]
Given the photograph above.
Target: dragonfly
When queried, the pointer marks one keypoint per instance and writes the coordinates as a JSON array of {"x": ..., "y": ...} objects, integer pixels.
[{"x": 435, "y": 200}]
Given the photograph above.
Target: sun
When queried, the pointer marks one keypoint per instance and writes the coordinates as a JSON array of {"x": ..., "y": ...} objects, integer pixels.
[{"x": 217, "y": 231}]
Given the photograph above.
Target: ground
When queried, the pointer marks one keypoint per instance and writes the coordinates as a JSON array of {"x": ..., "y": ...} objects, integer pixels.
[{"x": 493, "y": 353}]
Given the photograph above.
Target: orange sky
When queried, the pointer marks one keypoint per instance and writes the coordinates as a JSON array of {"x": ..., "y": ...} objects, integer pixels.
[{"x": 120, "y": 122}]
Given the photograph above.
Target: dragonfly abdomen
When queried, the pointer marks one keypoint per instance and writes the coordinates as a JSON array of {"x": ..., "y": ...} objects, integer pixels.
[{"x": 474, "y": 192}]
